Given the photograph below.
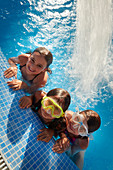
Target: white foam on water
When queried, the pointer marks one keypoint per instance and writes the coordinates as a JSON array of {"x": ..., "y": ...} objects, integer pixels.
[{"x": 92, "y": 60}]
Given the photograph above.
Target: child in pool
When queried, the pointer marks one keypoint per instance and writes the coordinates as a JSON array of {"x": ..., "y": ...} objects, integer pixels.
[
  {"x": 50, "y": 108},
  {"x": 33, "y": 67},
  {"x": 75, "y": 140}
]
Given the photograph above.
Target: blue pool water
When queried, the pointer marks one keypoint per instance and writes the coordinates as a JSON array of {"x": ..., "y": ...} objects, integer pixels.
[{"x": 27, "y": 24}]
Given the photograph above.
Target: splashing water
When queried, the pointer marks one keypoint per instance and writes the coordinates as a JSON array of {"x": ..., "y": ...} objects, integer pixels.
[{"x": 92, "y": 60}]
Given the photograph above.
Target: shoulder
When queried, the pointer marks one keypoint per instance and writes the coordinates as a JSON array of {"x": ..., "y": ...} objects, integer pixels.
[
  {"x": 23, "y": 58},
  {"x": 83, "y": 142}
]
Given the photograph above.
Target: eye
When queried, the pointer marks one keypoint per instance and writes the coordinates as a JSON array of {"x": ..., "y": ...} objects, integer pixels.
[{"x": 39, "y": 65}]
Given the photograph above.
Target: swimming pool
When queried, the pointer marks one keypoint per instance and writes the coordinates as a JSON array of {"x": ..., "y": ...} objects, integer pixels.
[{"x": 27, "y": 24}]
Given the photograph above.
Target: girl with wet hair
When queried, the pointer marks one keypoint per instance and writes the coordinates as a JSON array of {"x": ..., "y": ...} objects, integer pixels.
[
  {"x": 50, "y": 108},
  {"x": 75, "y": 139},
  {"x": 30, "y": 70}
]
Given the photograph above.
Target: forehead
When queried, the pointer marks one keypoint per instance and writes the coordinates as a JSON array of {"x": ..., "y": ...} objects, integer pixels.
[
  {"x": 49, "y": 101},
  {"x": 69, "y": 114}
]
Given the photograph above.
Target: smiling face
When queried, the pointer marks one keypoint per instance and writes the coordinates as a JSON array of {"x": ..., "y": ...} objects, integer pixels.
[
  {"x": 36, "y": 63},
  {"x": 74, "y": 125}
]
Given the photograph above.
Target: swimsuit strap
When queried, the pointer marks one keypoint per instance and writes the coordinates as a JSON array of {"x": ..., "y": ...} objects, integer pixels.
[
  {"x": 22, "y": 66},
  {"x": 34, "y": 78},
  {"x": 31, "y": 81}
]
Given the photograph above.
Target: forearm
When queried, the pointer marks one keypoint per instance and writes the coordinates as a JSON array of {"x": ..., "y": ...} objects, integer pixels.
[{"x": 13, "y": 61}]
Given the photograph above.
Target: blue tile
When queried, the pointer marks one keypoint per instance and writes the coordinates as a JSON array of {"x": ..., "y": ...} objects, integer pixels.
[
  {"x": 21, "y": 157},
  {"x": 10, "y": 159},
  {"x": 23, "y": 150},
  {"x": 1, "y": 140},
  {"x": 3, "y": 145},
  {"x": 34, "y": 166},
  {"x": 8, "y": 154},
  {"x": 5, "y": 150},
  {"x": 15, "y": 156},
  {"x": 19, "y": 152},
  {"x": 28, "y": 165},
  {"x": 14, "y": 163}
]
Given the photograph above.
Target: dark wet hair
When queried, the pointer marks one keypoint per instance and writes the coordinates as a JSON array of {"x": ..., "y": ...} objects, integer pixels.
[
  {"x": 93, "y": 120},
  {"x": 61, "y": 96},
  {"x": 47, "y": 54},
  {"x": 58, "y": 125}
]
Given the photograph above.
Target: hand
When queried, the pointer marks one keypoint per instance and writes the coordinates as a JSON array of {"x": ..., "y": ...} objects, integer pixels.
[
  {"x": 61, "y": 145},
  {"x": 64, "y": 143},
  {"x": 10, "y": 72},
  {"x": 45, "y": 135},
  {"x": 25, "y": 102},
  {"x": 15, "y": 84}
]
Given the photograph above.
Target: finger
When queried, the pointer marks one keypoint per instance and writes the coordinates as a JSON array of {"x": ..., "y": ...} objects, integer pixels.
[
  {"x": 41, "y": 135},
  {"x": 60, "y": 143},
  {"x": 10, "y": 74},
  {"x": 7, "y": 75},
  {"x": 13, "y": 86},
  {"x": 7, "y": 71},
  {"x": 44, "y": 129},
  {"x": 40, "y": 138},
  {"x": 21, "y": 99},
  {"x": 28, "y": 105},
  {"x": 23, "y": 104},
  {"x": 16, "y": 76},
  {"x": 12, "y": 83},
  {"x": 56, "y": 147},
  {"x": 44, "y": 140},
  {"x": 58, "y": 150},
  {"x": 9, "y": 82}
]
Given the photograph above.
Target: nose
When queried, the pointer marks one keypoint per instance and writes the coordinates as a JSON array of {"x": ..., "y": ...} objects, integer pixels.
[{"x": 33, "y": 67}]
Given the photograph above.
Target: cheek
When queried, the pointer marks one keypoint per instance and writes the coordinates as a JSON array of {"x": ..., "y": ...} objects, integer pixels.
[
  {"x": 72, "y": 130},
  {"x": 38, "y": 70}
]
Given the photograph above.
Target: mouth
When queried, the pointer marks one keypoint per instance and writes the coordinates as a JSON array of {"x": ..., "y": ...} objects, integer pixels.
[{"x": 30, "y": 69}]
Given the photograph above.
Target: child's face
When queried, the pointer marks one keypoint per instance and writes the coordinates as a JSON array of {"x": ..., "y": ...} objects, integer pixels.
[
  {"x": 50, "y": 109},
  {"x": 45, "y": 114},
  {"x": 36, "y": 63},
  {"x": 74, "y": 125}
]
